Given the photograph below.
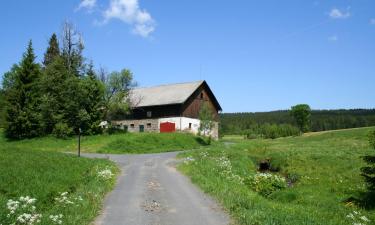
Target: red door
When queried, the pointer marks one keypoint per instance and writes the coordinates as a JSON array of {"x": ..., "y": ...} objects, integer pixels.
[{"x": 167, "y": 127}]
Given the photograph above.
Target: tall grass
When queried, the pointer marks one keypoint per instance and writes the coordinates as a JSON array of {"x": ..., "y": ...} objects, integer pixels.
[{"x": 44, "y": 175}]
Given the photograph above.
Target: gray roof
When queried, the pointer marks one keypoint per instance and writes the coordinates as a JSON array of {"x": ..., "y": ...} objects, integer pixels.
[{"x": 163, "y": 94}]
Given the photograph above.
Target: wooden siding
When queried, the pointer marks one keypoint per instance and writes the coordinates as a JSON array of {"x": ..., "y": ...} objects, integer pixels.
[
  {"x": 189, "y": 109},
  {"x": 192, "y": 107}
]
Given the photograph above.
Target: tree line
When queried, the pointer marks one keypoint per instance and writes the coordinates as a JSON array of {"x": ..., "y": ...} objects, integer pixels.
[
  {"x": 64, "y": 94},
  {"x": 320, "y": 120}
]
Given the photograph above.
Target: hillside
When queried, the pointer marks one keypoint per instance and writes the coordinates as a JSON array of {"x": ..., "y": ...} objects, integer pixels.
[
  {"x": 321, "y": 174},
  {"x": 236, "y": 123}
]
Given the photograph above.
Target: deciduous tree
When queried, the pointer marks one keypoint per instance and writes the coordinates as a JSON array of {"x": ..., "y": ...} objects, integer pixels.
[{"x": 301, "y": 114}]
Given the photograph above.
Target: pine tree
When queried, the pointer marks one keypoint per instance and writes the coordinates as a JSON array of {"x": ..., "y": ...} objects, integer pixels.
[
  {"x": 22, "y": 98},
  {"x": 53, "y": 50}
]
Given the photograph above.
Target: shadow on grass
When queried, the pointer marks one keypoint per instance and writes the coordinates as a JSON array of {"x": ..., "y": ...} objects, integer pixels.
[
  {"x": 365, "y": 200},
  {"x": 201, "y": 141}
]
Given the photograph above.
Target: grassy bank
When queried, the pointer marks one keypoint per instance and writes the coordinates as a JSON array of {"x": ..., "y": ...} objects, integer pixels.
[
  {"x": 116, "y": 143},
  {"x": 59, "y": 183},
  {"x": 322, "y": 173}
]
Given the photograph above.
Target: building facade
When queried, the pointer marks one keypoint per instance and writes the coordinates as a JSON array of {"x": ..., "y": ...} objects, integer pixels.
[{"x": 171, "y": 108}]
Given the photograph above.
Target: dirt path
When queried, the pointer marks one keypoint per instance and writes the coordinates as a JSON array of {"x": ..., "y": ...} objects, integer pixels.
[{"x": 151, "y": 192}]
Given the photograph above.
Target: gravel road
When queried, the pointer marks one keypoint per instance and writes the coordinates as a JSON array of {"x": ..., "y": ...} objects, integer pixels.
[{"x": 150, "y": 191}]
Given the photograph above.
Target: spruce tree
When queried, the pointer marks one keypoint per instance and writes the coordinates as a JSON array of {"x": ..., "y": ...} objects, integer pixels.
[
  {"x": 53, "y": 50},
  {"x": 53, "y": 102},
  {"x": 22, "y": 98},
  {"x": 368, "y": 172}
]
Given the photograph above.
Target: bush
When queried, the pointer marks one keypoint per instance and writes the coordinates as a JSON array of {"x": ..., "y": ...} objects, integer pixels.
[
  {"x": 62, "y": 130},
  {"x": 267, "y": 183}
]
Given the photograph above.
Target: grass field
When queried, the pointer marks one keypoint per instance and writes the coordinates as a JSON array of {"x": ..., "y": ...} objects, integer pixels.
[
  {"x": 115, "y": 143},
  {"x": 60, "y": 183},
  {"x": 324, "y": 168}
]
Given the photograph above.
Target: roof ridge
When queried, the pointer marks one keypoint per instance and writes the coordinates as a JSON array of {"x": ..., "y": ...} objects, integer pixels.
[{"x": 163, "y": 85}]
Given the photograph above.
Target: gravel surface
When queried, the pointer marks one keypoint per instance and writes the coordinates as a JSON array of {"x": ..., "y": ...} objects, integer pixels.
[{"x": 150, "y": 191}]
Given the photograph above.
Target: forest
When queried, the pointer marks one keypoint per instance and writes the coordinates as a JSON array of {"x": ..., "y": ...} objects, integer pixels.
[{"x": 321, "y": 120}]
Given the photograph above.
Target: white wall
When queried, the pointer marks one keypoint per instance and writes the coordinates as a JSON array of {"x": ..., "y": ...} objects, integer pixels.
[{"x": 182, "y": 123}]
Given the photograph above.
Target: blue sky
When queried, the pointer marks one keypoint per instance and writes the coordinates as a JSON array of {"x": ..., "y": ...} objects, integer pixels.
[{"x": 256, "y": 55}]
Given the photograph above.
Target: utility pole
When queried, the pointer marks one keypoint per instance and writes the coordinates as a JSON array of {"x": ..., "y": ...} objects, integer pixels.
[{"x": 79, "y": 142}]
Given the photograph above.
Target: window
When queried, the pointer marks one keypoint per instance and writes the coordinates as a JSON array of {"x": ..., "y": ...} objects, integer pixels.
[
  {"x": 201, "y": 95},
  {"x": 132, "y": 125},
  {"x": 149, "y": 125},
  {"x": 190, "y": 126},
  {"x": 149, "y": 114}
]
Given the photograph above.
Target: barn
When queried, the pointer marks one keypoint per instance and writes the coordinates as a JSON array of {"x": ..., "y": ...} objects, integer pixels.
[{"x": 170, "y": 108}]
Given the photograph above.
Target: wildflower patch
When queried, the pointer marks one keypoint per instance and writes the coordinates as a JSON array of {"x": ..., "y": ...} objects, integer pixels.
[{"x": 266, "y": 183}]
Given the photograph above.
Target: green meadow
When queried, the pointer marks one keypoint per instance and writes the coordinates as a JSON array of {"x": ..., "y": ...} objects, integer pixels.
[
  {"x": 321, "y": 170},
  {"x": 136, "y": 143}
]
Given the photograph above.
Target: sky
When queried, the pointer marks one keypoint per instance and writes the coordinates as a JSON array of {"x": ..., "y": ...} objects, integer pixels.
[{"x": 255, "y": 55}]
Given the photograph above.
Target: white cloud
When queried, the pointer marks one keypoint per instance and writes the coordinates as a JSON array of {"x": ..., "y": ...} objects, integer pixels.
[
  {"x": 333, "y": 38},
  {"x": 129, "y": 12},
  {"x": 339, "y": 14},
  {"x": 87, "y": 4},
  {"x": 372, "y": 21}
]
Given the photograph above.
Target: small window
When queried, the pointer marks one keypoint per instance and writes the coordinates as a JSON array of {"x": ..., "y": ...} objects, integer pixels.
[
  {"x": 149, "y": 114},
  {"x": 132, "y": 125},
  {"x": 149, "y": 125},
  {"x": 190, "y": 125},
  {"x": 201, "y": 95}
]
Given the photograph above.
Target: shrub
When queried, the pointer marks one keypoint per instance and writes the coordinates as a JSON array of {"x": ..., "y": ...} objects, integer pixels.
[
  {"x": 267, "y": 183},
  {"x": 62, "y": 130}
]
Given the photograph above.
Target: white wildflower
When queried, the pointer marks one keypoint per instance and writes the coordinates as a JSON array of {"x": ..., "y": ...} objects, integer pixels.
[
  {"x": 64, "y": 199},
  {"x": 188, "y": 160},
  {"x": 105, "y": 174},
  {"x": 56, "y": 219}
]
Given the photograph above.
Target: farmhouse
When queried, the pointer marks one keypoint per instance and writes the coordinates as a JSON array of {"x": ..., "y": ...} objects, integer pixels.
[{"x": 171, "y": 108}]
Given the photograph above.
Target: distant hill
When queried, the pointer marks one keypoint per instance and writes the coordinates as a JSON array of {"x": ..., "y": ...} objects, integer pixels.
[{"x": 321, "y": 120}]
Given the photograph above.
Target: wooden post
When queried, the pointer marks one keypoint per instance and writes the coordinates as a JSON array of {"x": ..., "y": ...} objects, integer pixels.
[{"x": 79, "y": 142}]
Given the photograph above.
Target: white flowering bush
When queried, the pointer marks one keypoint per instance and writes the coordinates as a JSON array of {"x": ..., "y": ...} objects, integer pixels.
[
  {"x": 225, "y": 169},
  {"x": 356, "y": 218},
  {"x": 266, "y": 183},
  {"x": 105, "y": 174},
  {"x": 22, "y": 211},
  {"x": 56, "y": 219}
]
